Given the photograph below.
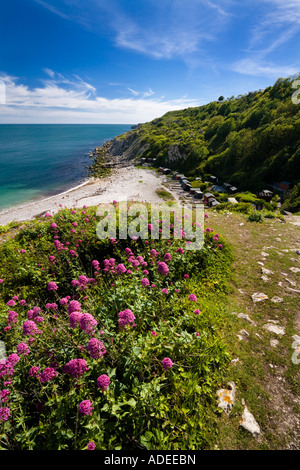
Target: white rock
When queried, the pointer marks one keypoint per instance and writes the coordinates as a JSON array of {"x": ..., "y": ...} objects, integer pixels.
[
  {"x": 294, "y": 270},
  {"x": 264, "y": 278},
  {"x": 278, "y": 330},
  {"x": 249, "y": 423},
  {"x": 274, "y": 343},
  {"x": 243, "y": 334},
  {"x": 226, "y": 397},
  {"x": 263, "y": 253},
  {"x": 266, "y": 271},
  {"x": 259, "y": 297},
  {"x": 247, "y": 318},
  {"x": 276, "y": 299}
]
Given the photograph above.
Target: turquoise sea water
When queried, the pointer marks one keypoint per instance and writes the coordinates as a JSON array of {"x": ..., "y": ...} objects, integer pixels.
[{"x": 38, "y": 161}]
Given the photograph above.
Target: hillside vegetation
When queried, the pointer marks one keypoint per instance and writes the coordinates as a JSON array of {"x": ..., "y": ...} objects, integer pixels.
[{"x": 249, "y": 141}]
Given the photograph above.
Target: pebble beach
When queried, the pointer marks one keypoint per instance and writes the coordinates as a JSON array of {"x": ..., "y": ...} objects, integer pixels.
[{"x": 124, "y": 183}]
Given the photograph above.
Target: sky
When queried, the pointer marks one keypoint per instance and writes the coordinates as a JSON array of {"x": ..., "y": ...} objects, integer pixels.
[{"x": 131, "y": 61}]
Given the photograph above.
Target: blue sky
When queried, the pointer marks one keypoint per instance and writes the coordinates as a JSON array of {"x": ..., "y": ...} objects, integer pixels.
[{"x": 113, "y": 61}]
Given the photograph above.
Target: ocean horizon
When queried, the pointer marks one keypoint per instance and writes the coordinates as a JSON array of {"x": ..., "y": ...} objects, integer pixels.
[{"x": 40, "y": 160}]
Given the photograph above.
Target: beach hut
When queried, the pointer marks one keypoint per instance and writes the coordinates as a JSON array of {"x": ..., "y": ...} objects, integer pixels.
[
  {"x": 198, "y": 195},
  {"x": 166, "y": 171},
  {"x": 265, "y": 194},
  {"x": 208, "y": 197},
  {"x": 213, "y": 179},
  {"x": 233, "y": 189},
  {"x": 232, "y": 200},
  {"x": 213, "y": 203}
]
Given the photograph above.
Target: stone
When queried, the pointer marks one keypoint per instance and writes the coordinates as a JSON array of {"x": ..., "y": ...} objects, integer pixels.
[
  {"x": 276, "y": 299},
  {"x": 226, "y": 397},
  {"x": 266, "y": 271},
  {"x": 274, "y": 342},
  {"x": 293, "y": 290},
  {"x": 295, "y": 270},
  {"x": 278, "y": 330},
  {"x": 265, "y": 278},
  {"x": 293, "y": 283},
  {"x": 263, "y": 253},
  {"x": 260, "y": 262},
  {"x": 243, "y": 334},
  {"x": 249, "y": 423},
  {"x": 259, "y": 297},
  {"x": 247, "y": 318}
]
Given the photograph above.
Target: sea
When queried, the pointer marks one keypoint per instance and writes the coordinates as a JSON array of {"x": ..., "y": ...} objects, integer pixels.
[{"x": 41, "y": 160}]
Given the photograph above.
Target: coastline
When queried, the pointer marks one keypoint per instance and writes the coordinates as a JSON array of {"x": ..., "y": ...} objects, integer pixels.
[{"x": 123, "y": 183}]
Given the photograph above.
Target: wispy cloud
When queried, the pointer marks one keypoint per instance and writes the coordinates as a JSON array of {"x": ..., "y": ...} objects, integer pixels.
[
  {"x": 63, "y": 100},
  {"x": 275, "y": 27},
  {"x": 159, "y": 29}
]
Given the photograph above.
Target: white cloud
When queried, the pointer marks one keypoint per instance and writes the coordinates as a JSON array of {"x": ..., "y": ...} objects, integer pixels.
[{"x": 61, "y": 100}]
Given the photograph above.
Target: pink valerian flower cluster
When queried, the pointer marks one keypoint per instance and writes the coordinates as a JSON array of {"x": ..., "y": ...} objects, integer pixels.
[
  {"x": 145, "y": 282},
  {"x": 96, "y": 348},
  {"x": 4, "y": 414},
  {"x": 103, "y": 382},
  {"x": 47, "y": 374},
  {"x": 33, "y": 371},
  {"x": 76, "y": 367},
  {"x": 87, "y": 323},
  {"x": 74, "y": 306},
  {"x": 12, "y": 317},
  {"x": 120, "y": 269},
  {"x": 23, "y": 349},
  {"x": 74, "y": 319},
  {"x": 126, "y": 317},
  {"x": 30, "y": 328},
  {"x": 109, "y": 265},
  {"x": 193, "y": 298},
  {"x": 52, "y": 286},
  {"x": 167, "y": 363},
  {"x": 4, "y": 394},
  {"x": 162, "y": 268},
  {"x": 86, "y": 408}
]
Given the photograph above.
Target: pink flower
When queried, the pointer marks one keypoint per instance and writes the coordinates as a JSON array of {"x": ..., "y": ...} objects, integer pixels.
[
  {"x": 167, "y": 257},
  {"x": 52, "y": 286},
  {"x": 23, "y": 349},
  {"x": 4, "y": 394},
  {"x": 47, "y": 374},
  {"x": 30, "y": 328},
  {"x": 164, "y": 291},
  {"x": 193, "y": 298},
  {"x": 87, "y": 323},
  {"x": 76, "y": 367},
  {"x": 86, "y": 407},
  {"x": 33, "y": 371},
  {"x": 74, "y": 319},
  {"x": 145, "y": 282},
  {"x": 4, "y": 414},
  {"x": 167, "y": 363},
  {"x": 153, "y": 333},
  {"x": 11, "y": 303},
  {"x": 103, "y": 382},
  {"x": 96, "y": 348},
  {"x": 74, "y": 306},
  {"x": 120, "y": 269},
  {"x": 179, "y": 250},
  {"x": 162, "y": 268},
  {"x": 12, "y": 317},
  {"x": 126, "y": 317},
  {"x": 91, "y": 445},
  {"x": 197, "y": 312},
  {"x": 22, "y": 251}
]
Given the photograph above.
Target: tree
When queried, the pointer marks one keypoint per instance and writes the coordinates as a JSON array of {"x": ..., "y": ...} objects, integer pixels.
[{"x": 221, "y": 98}]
